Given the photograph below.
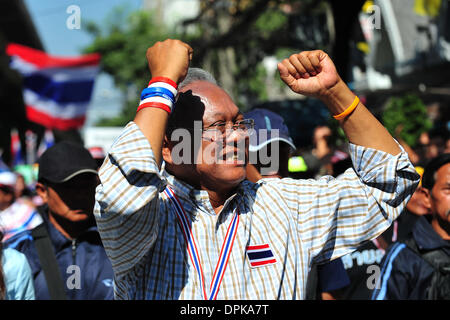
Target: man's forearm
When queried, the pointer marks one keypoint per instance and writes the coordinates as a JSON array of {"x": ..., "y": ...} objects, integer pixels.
[
  {"x": 312, "y": 73},
  {"x": 152, "y": 122},
  {"x": 361, "y": 127},
  {"x": 168, "y": 59}
]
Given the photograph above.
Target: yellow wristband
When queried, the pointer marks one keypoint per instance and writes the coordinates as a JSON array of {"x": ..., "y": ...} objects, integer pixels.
[{"x": 348, "y": 110}]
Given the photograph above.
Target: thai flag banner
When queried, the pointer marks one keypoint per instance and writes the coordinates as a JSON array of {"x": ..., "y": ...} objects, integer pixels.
[{"x": 56, "y": 90}]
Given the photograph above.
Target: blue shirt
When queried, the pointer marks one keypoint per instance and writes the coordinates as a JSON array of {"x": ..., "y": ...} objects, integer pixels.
[
  {"x": 85, "y": 269},
  {"x": 18, "y": 278},
  {"x": 404, "y": 273},
  {"x": 332, "y": 276}
]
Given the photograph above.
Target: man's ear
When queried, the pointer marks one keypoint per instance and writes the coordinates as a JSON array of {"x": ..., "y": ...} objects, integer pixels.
[
  {"x": 427, "y": 196},
  {"x": 425, "y": 191},
  {"x": 167, "y": 151},
  {"x": 42, "y": 191}
]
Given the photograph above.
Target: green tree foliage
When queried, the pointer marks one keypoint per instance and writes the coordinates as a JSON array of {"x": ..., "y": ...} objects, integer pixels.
[
  {"x": 123, "y": 45},
  {"x": 406, "y": 118},
  {"x": 241, "y": 33},
  {"x": 233, "y": 39}
]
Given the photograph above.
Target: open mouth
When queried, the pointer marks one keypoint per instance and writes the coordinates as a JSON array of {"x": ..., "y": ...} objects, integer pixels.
[{"x": 234, "y": 157}]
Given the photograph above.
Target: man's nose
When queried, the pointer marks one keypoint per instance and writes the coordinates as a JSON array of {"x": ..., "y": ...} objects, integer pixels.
[{"x": 235, "y": 135}]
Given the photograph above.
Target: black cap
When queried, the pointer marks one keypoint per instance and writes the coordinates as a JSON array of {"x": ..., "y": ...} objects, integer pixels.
[{"x": 63, "y": 161}]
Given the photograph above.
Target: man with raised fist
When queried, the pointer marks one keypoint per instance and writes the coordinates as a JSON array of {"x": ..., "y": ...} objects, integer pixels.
[{"x": 179, "y": 220}]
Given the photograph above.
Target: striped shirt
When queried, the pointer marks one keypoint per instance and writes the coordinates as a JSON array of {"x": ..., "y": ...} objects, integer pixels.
[{"x": 297, "y": 220}]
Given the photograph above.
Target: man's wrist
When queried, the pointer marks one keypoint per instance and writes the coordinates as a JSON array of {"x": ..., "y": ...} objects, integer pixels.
[
  {"x": 173, "y": 86},
  {"x": 160, "y": 93},
  {"x": 338, "y": 98},
  {"x": 175, "y": 77}
]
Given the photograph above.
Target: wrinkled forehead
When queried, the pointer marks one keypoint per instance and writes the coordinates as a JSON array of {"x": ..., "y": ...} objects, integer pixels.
[{"x": 215, "y": 102}]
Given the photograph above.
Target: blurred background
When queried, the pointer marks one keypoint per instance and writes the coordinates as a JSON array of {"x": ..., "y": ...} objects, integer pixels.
[{"x": 394, "y": 54}]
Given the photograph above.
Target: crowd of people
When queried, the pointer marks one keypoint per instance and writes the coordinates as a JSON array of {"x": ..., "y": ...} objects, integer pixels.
[{"x": 237, "y": 212}]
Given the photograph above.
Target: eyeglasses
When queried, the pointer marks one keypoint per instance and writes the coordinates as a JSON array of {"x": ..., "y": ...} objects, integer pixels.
[{"x": 221, "y": 130}]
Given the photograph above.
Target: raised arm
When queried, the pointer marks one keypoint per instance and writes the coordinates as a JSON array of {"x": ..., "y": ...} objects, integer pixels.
[
  {"x": 127, "y": 199},
  {"x": 169, "y": 59},
  {"x": 312, "y": 73}
]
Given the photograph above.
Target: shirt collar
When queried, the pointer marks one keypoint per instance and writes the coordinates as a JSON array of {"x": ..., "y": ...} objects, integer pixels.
[{"x": 198, "y": 197}]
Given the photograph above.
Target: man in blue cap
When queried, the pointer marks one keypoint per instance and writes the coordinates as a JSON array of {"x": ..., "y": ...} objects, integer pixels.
[{"x": 270, "y": 146}]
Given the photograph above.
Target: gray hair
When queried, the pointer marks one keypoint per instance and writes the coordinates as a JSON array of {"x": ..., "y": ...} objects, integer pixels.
[
  {"x": 178, "y": 116},
  {"x": 197, "y": 74}
]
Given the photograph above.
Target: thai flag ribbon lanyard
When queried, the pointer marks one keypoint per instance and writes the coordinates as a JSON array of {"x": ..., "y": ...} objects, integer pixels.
[{"x": 227, "y": 246}]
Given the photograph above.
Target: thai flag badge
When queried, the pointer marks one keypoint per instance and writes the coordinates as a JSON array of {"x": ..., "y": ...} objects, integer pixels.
[{"x": 260, "y": 255}]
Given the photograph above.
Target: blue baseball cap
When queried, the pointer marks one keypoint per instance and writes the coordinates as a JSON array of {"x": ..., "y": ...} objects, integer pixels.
[{"x": 268, "y": 120}]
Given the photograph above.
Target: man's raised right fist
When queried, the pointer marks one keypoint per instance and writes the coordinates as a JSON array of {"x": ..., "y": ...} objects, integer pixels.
[{"x": 169, "y": 58}]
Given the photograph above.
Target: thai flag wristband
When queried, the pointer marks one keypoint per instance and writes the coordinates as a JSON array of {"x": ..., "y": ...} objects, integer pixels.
[
  {"x": 164, "y": 80},
  {"x": 157, "y": 91},
  {"x": 160, "y": 93},
  {"x": 159, "y": 105}
]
